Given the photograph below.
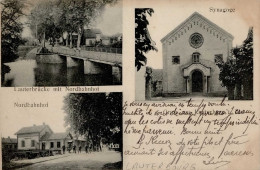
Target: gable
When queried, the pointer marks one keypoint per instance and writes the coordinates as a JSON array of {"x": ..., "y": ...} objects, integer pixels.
[
  {"x": 34, "y": 129},
  {"x": 91, "y": 33},
  {"x": 197, "y": 20},
  {"x": 31, "y": 129}
]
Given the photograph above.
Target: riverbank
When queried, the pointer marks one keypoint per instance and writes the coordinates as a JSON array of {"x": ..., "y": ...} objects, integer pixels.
[{"x": 27, "y": 52}]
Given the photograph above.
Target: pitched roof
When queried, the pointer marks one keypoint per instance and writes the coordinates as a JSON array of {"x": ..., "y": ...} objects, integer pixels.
[
  {"x": 190, "y": 18},
  {"x": 9, "y": 140},
  {"x": 91, "y": 33},
  {"x": 157, "y": 74},
  {"x": 32, "y": 129},
  {"x": 45, "y": 136},
  {"x": 56, "y": 136}
]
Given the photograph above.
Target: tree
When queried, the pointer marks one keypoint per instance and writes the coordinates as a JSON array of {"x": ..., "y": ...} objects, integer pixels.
[
  {"x": 238, "y": 70},
  {"x": 69, "y": 16},
  {"x": 228, "y": 76},
  {"x": 98, "y": 116},
  {"x": 82, "y": 13},
  {"x": 44, "y": 20},
  {"x": 11, "y": 29},
  {"x": 244, "y": 64},
  {"x": 143, "y": 41}
]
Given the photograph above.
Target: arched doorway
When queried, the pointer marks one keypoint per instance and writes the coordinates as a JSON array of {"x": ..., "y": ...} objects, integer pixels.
[{"x": 197, "y": 81}]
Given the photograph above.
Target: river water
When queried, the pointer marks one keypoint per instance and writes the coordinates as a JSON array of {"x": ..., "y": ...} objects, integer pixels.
[{"x": 25, "y": 73}]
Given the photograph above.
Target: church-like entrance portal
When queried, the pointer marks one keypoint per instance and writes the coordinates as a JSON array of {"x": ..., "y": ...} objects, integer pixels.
[{"x": 197, "y": 81}]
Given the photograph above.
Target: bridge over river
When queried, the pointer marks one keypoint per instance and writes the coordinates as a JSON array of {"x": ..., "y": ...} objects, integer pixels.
[{"x": 95, "y": 60}]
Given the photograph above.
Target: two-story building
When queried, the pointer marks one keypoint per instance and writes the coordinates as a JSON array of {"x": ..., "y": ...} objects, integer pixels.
[
  {"x": 28, "y": 138},
  {"x": 43, "y": 138}
]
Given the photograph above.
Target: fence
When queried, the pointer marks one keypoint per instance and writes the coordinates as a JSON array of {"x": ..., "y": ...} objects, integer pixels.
[{"x": 103, "y": 49}]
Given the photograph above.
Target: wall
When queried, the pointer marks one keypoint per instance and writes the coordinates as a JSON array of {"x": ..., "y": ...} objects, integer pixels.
[
  {"x": 27, "y": 138},
  {"x": 92, "y": 43},
  {"x": 140, "y": 84},
  {"x": 48, "y": 144},
  {"x": 178, "y": 45},
  {"x": 106, "y": 41},
  {"x": 49, "y": 58}
]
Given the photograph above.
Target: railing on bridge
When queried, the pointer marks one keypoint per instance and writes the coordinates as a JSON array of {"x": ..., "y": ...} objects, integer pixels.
[
  {"x": 107, "y": 56},
  {"x": 103, "y": 49}
]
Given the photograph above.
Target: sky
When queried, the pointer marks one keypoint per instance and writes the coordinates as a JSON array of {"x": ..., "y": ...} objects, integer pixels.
[
  {"x": 14, "y": 118},
  {"x": 168, "y": 16},
  {"x": 110, "y": 22}
]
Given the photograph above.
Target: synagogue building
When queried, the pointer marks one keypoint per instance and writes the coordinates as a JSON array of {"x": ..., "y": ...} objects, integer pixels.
[{"x": 190, "y": 54}]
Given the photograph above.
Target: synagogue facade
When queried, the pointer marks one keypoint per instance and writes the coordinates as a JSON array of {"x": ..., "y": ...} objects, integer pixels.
[{"x": 190, "y": 54}]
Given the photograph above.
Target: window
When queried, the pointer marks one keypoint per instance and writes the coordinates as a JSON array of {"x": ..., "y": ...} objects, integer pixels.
[
  {"x": 32, "y": 143},
  {"x": 175, "y": 59},
  {"x": 58, "y": 144},
  {"x": 196, "y": 40},
  {"x": 23, "y": 143},
  {"x": 218, "y": 58},
  {"x": 52, "y": 144},
  {"x": 196, "y": 57}
]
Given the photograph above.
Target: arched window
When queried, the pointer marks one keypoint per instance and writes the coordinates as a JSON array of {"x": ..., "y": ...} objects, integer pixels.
[{"x": 196, "y": 57}]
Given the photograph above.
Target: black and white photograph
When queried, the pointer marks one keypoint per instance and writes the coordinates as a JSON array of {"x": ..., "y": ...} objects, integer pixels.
[
  {"x": 192, "y": 54},
  {"x": 77, "y": 131},
  {"x": 61, "y": 43}
]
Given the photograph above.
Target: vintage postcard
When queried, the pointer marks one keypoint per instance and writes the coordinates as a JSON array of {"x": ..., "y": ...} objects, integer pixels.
[
  {"x": 62, "y": 43},
  {"x": 130, "y": 85}
]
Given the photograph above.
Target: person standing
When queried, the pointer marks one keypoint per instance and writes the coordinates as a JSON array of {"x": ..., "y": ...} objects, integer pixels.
[
  {"x": 79, "y": 149},
  {"x": 86, "y": 148},
  {"x": 63, "y": 149},
  {"x": 74, "y": 149}
]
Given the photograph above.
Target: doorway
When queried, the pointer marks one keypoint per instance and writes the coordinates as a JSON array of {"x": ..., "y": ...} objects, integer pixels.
[
  {"x": 197, "y": 81},
  {"x": 43, "y": 146}
]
